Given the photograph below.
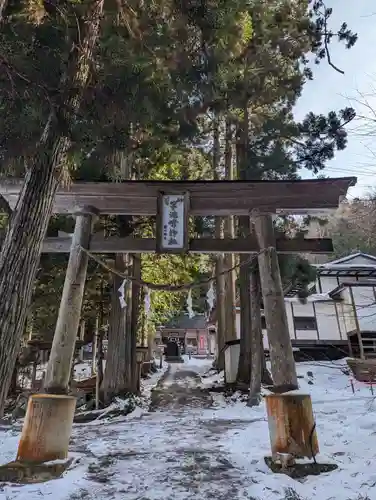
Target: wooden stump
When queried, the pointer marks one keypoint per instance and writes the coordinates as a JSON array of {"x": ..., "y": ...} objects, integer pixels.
[
  {"x": 292, "y": 427},
  {"x": 47, "y": 428}
]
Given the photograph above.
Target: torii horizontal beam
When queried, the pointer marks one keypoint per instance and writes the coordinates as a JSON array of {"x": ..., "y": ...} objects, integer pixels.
[
  {"x": 113, "y": 244},
  {"x": 207, "y": 198}
]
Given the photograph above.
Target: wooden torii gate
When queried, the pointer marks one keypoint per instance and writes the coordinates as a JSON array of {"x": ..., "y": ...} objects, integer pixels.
[
  {"x": 173, "y": 203},
  {"x": 191, "y": 198}
]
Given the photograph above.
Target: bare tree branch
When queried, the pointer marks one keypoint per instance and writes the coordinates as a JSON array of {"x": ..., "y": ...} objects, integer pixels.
[{"x": 326, "y": 34}]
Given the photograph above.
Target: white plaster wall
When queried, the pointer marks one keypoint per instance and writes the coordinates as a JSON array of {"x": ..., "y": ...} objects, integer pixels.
[
  {"x": 364, "y": 298},
  {"x": 300, "y": 310},
  {"x": 237, "y": 323},
  {"x": 327, "y": 323},
  {"x": 347, "y": 315}
]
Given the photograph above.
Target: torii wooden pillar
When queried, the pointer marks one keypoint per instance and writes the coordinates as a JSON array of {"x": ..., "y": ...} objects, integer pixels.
[
  {"x": 49, "y": 416},
  {"x": 280, "y": 348},
  {"x": 68, "y": 321}
]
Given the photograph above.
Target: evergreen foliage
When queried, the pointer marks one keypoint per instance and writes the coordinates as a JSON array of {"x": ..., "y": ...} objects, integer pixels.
[{"x": 160, "y": 72}]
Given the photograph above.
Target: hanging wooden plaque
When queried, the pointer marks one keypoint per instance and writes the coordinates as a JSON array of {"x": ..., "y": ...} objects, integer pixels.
[{"x": 172, "y": 222}]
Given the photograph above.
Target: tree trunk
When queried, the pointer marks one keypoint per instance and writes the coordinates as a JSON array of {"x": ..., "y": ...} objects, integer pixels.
[
  {"x": 14, "y": 380},
  {"x": 219, "y": 263},
  {"x": 117, "y": 378},
  {"x": 256, "y": 344},
  {"x": 99, "y": 363},
  {"x": 3, "y": 6},
  {"x": 131, "y": 318},
  {"x": 136, "y": 293},
  {"x": 94, "y": 347},
  {"x": 22, "y": 246},
  {"x": 281, "y": 354},
  {"x": 220, "y": 303},
  {"x": 244, "y": 370},
  {"x": 266, "y": 378},
  {"x": 82, "y": 338},
  {"x": 68, "y": 321},
  {"x": 19, "y": 260},
  {"x": 150, "y": 346},
  {"x": 229, "y": 260}
]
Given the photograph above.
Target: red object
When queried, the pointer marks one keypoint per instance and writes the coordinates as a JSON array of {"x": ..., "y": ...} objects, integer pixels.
[{"x": 202, "y": 342}]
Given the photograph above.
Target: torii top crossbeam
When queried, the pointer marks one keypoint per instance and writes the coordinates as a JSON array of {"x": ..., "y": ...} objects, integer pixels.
[{"x": 207, "y": 198}]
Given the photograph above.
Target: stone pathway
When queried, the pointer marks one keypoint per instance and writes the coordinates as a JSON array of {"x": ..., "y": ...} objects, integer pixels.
[
  {"x": 170, "y": 453},
  {"x": 179, "y": 390}
]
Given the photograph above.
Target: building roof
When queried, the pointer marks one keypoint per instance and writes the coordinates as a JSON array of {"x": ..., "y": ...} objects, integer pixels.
[
  {"x": 349, "y": 258},
  {"x": 341, "y": 268},
  {"x": 355, "y": 270},
  {"x": 184, "y": 322},
  {"x": 347, "y": 266},
  {"x": 314, "y": 297}
]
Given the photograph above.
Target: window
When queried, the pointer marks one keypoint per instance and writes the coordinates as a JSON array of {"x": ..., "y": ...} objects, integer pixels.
[{"x": 305, "y": 323}]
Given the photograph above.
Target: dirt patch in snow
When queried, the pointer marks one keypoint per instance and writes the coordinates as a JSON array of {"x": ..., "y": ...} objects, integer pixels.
[
  {"x": 300, "y": 470},
  {"x": 179, "y": 390}
]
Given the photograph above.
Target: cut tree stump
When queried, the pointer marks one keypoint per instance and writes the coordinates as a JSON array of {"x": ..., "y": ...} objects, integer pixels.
[
  {"x": 292, "y": 428},
  {"x": 47, "y": 428}
]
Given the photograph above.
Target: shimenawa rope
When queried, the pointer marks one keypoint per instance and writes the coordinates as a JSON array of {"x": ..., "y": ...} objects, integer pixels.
[{"x": 171, "y": 288}]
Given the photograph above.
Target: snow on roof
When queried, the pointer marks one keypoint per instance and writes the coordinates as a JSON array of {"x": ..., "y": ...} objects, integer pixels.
[
  {"x": 346, "y": 266},
  {"x": 314, "y": 297},
  {"x": 345, "y": 260}
]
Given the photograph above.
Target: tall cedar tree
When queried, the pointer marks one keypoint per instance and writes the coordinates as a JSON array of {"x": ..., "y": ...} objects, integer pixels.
[
  {"x": 155, "y": 54},
  {"x": 167, "y": 71}
]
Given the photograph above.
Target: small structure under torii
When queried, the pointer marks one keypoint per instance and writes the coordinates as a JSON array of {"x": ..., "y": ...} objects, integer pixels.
[{"x": 173, "y": 203}]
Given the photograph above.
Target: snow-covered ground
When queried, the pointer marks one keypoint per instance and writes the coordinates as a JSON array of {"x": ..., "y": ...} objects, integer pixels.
[{"x": 214, "y": 450}]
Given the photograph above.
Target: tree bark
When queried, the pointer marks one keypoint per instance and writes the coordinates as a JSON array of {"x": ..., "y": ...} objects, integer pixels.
[
  {"x": 256, "y": 345},
  {"x": 99, "y": 363},
  {"x": 68, "y": 321},
  {"x": 244, "y": 371},
  {"x": 19, "y": 260},
  {"x": 3, "y": 6},
  {"x": 94, "y": 347},
  {"x": 118, "y": 378},
  {"x": 281, "y": 354},
  {"x": 82, "y": 338},
  {"x": 22, "y": 246},
  {"x": 150, "y": 345},
  {"x": 220, "y": 303},
  {"x": 219, "y": 263},
  {"x": 136, "y": 303},
  {"x": 131, "y": 315},
  {"x": 266, "y": 378},
  {"x": 229, "y": 259}
]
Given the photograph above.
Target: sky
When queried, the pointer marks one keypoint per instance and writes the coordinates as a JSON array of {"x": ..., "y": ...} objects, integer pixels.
[{"x": 331, "y": 90}]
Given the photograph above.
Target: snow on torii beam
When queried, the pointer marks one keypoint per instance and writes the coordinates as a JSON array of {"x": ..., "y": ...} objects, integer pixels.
[{"x": 221, "y": 198}]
